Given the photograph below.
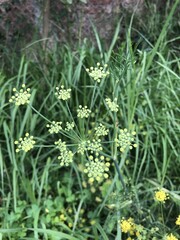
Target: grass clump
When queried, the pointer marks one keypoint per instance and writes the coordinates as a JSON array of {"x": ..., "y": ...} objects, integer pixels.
[{"x": 89, "y": 146}]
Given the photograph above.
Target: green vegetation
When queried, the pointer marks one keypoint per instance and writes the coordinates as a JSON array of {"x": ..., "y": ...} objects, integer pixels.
[{"x": 89, "y": 150}]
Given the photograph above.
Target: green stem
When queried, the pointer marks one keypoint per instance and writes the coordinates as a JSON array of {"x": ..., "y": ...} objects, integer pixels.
[
  {"x": 39, "y": 114},
  {"x": 162, "y": 215},
  {"x": 115, "y": 156},
  {"x": 73, "y": 121},
  {"x": 119, "y": 175}
]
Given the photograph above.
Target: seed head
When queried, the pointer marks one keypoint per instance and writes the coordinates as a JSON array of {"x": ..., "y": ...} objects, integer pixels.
[
  {"x": 95, "y": 146},
  {"x": 25, "y": 144},
  {"x": 112, "y": 105},
  {"x": 96, "y": 168},
  {"x": 62, "y": 93},
  {"x": 66, "y": 157},
  {"x": 54, "y": 127},
  {"x": 60, "y": 145},
  {"x": 20, "y": 97},
  {"x": 69, "y": 126},
  {"x": 101, "y": 130},
  {"x": 83, "y": 112},
  {"x": 82, "y": 147},
  {"x": 98, "y": 73},
  {"x": 125, "y": 140}
]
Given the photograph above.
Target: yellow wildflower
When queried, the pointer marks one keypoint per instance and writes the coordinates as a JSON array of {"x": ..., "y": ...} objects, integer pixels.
[
  {"x": 171, "y": 237},
  {"x": 127, "y": 225},
  {"x": 161, "y": 196},
  {"x": 178, "y": 220}
]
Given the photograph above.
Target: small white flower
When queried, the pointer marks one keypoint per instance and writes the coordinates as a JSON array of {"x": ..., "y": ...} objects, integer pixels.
[
  {"x": 112, "y": 104},
  {"x": 97, "y": 73},
  {"x": 25, "y": 144},
  {"x": 83, "y": 112},
  {"x": 20, "y": 97},
  {"x": 63, "y": 94}
]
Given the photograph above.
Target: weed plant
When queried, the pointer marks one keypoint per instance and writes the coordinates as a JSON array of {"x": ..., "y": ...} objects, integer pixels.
[{"x": 89, "y": 144}]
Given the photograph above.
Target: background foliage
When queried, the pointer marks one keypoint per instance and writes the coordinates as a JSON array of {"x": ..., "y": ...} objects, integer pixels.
[{"x": 42, "y": 200}]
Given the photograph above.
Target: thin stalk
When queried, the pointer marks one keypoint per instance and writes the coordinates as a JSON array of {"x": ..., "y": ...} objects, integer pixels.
[
  {"x": 40, "y": 114},
  {"x": 115, "y": 157},
  {"x": 119, "y": 175}
]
